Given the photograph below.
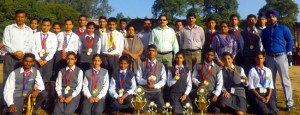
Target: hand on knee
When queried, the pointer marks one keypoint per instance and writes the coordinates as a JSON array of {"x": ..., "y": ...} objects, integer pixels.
[
  {"x": 223, "y": 105},
  {"x": 239, "y": 113}
]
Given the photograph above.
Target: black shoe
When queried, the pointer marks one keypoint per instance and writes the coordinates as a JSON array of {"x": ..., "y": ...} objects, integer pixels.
[{"x": 289, "y": 109}]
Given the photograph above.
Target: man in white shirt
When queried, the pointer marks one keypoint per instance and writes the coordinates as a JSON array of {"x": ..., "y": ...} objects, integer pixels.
[
  {"x": 81, "y": 31},
  {"x": 21, "y": 83}
]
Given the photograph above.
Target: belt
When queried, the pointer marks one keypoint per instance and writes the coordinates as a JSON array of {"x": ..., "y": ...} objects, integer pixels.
[
  {"x": 276, "y": 54},
  {"x": 191, "y": 50},
  {"x": 110, "y": 55},
  {"x": 163, "y": 53}
]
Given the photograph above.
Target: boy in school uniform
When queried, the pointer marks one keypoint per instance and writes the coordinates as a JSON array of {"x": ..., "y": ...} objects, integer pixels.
[
  {"x": 112, "y": 45},
  {"x": 21, "y": 83},
  {"x": 95, "y": 86},
  {"x": 89, "y": 46},
  {"x": 122, "y": 86},
  {"x": 205, "y": 75},
  {"x": 56, "y": 27},
  {"x": 34, "y": 24},
  {"x": 81, "y": 31},
  {"x": 123, "y": 24},
  {"x": 151, "y": 75},
  {"x": 261, "y": 86},
  {"x": 67, "y": 41},
  {"x": 234, "y": 81},
  {"x": 102, "y": 26},
  {"x": 180, "y": 83},
  {"x": 68, "y": 87}
]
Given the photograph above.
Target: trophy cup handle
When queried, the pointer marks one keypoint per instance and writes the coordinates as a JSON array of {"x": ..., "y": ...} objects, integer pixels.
[
  {"x": 132, "y": 101},
  {"x": 195, "y": 102},
  {"x": 208, "y": 103},
  {"x": 145, "y": 102}
]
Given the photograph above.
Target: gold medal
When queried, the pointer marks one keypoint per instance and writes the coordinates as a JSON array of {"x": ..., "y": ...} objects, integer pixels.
[
  {"x": 43, "y": 51},
  {"x": 68, "y": 88},
  {"x": 267, "y": 77},
  {"x": 110, "y": 49},
  {"x": 121, "y": 91},
  {"x": 88, "y": 53},
  {"x": 95, "y": 91},
  {"x": 90, "y": 50},
  {"x": 251, "y": 46},
  {"x": 24, "y": 94},
  {"x": 177, "y": 77},
  {"x": 152, "y": 77},
  {"x": 265, "y": 90},
  {"x": 210, "y": 45},
  {"x": 206, "y": 83}
]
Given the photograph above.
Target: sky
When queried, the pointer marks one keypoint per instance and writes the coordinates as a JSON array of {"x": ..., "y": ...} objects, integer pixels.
[{"x": 142, "y": 8}]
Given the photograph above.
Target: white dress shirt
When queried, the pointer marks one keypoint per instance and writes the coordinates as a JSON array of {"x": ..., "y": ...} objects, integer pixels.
[
  {"x": 254, "y": 78},
  {"x": 10, "y": 86},
  {"x": 78, "y": 88},
  {"x": 51, "y": 45},
  {"x": 102, "y": 93},
  {"x": 142, "y": 81},
  {"x": 98, "y": 44},
  {"x": 171, "y": 80},
  {"x": 18, "y": 39},
  {"x": 220, "y": 74},
  {"x": 72, "y": 40},
  {"x": 118, "y": 42},
  {"x": 219, "y": 80},
  {"x": 112, "y": 86}
]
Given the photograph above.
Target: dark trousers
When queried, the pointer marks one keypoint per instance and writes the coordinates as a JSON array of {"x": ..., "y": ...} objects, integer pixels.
[
  {"x": 59, "y": 63},
  {"x": 116, "y": 106},
  {"x": 248, "y": 63},
  {"x": 177, "y": 104},
  {"x": 46, "y": 70},
  {"x": 66, "y": 108},
  {"x": 110, "y": 63},
  {"x": 20, "y": 101},
  {"x": 93, "y": 108},
  {"x": 157, "y": 97},
  {"x": 85, "y": 66}
]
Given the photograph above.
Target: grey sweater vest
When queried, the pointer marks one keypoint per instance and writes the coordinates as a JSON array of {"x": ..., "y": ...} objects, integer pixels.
[
  {"x": 234, "y": 83},
  {"x": 84, "y": 49},
  {"x": 19, "y": 83},
  {"x": 73, "y": 83},
  {"x": 100, "y": 82},
  {"x": 180, "y": 86},
  {"x": 127, "y": 81},
  {"x": 146, "y": 74}
]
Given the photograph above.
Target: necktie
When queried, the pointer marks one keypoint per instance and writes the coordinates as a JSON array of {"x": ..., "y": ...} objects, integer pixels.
[
  {"x": 64, "y": 54},
  {"x": 122, "y": 78}
]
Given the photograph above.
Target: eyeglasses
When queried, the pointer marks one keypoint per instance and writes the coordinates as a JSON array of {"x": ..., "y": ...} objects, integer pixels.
[{"x": 162, "y": 19}]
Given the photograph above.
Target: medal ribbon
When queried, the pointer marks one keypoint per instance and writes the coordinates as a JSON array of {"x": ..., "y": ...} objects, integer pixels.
[
  {"x": 66, "y": 41},
  {"x": 251, "y": 38},
  {"x": 89, "y": 44},
  {"x": 122, "y": 77},
  {"x": 26, "y": 77},
  {"x": 95, "y": 78},
  {"x": 68, "y": 80},
  {"x": 79, "y": 32},
  {"x": 231, "y": 77},
  {"x": 262, "y": 77},
  {"x": 209, "y": 71},
  {"x": 236, "y": 33},
  {"x": 111, "y": 39},
  {"x": 182, "y": 71},
  {"x": 43, "y": 40},
  {"x": 151, "y": 70},
  {"x": 211, "y": 37}
]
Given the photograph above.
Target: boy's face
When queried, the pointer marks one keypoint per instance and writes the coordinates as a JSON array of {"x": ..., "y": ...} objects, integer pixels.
[
  {"x": 91, "y": 29},
  {"x": 46, "y": 26},
  {"x": 234, "y": 21},
  {"x": 227, "y": 60},
  {"x": 179, "y": 59},
  {"x": 102, "y": 23},
  {"x": 56, "y": 29},
  {"x": 20, "y": 18},
  {"x": 69, "y": 25},
  {"x": 152, "y": 53},
  {"x": 191, "y": 20},
  {"x": 34, "y": 24},
  {"x": 131, "y": 31},
  {"x": 272, "y": 19},
  {"x": 123, "y": 25},
  {"x": 251, "y": 21},
  {"x": 112, "y": 26},
  {"x": 71, "y": 60},
  {"x": 28, "y": 62},
  {"x": 97, "y": 62},
  {"x": 262, "y": 21},
  {"x": 82, "y": 21},
  {"x": 179, "y": 26},
  {"x": 123, "y": 64},
  {"x": 260, "y": 59},
  {"x": 210, "y": 56},
  {"x": 211, "y": 24}
]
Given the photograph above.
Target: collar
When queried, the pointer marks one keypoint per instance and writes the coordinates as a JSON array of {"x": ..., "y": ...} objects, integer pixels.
[
  {"x": 24, "y": 26},
  {"x": 154, "y": 61},
  {"x": 263, "y": 68},
  {"x": 72, "y": 68},
  {"x": 124, "y": 31},
  {"x": 213, "y": 31},
  {"x": 167, "y": 27},
  {"x": 80, "y": 28},
  {"x": 234, "y": 28},
  {"x": 212, "y": 63},
  {"x": 103, "y": 30},
  {"x": 111, "y": 31},
  {"x": 262, "y": 27},
  {"x": 123, "y": 71},
  {"x": 44, "y": 33},
  {"x": 250, "y": 29},
  {"x": 177, "y": 67},
  {"x": 143, "y": 31},
  {"x": 88, "y": 35},
  {"x": 97, "y": 70},
  {"x": 232, "y": 67},
  {"x": 188, "y": 27},
  {"x": 22, "y": 70},
  {"x": 69, "y": 33},
  {"x": 35, "y": 30}
]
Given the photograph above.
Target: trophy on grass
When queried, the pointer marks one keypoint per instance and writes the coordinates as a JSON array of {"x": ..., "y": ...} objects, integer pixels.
[
  {"x": 152, "y": 108},
  {"x": 201, "y": 102},
  {"x": 167, "y": 109},
  {"x": 187, "y": 109},
  {"x": 138, "y": 103}
]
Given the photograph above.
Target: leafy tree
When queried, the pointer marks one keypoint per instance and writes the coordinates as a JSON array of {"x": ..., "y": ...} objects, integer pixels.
[
  {"x": 120, "y": 15},
  {"x": 287, "y": 9},
  {"x": 170, "y": 8}
]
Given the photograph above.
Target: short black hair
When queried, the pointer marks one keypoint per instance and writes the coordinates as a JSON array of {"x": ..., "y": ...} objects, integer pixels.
[
  {"x": 71, "y": 53},
  {"x": 162, "y": 16},
  {"x": 130, "y": 25},
  {"x": 223, "y": 22},
  {"x": 90, "y": 24},
  {"x": 226, "y": 54},
  {"x": 29, "y": 55},
  {"x": 233, "y": 15},
  {"x": 103, "y": 17},
  {"x": 123, "y": 20},
  {"x": 191, "y": 14},
  {"x": 124, "y": 58},
  {"x": 82, "y": 15},
  {"x": 56, "y": 23},
  {"x": 147, "y": 19},
  {"x": 47, "y": 20},
  {"x": 209, "y": 50},
  {"x": 210, "y": 19},
  {"x": 152, "y": 46},
  {"x": 251, "y": 16},
  {"x": 20, "y": 12},
  {"x": 260, "y": 15},
  {"x": 97, "y": 55},
  {"x": 69, "y": 19},
  {"x": 179, "y": 53},
  {"x": 34, "y": 19},
  {"x": 177, "y": 21},
  {"x": 112, "y": 19},
  {"x": 260, "y": 53}
]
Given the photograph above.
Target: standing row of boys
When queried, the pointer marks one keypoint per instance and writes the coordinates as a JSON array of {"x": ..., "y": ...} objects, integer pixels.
[{"x": 131, "y": 61}]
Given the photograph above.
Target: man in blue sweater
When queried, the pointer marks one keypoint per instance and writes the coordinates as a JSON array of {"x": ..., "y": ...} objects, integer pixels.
[{"x": 278, "y": 42}]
